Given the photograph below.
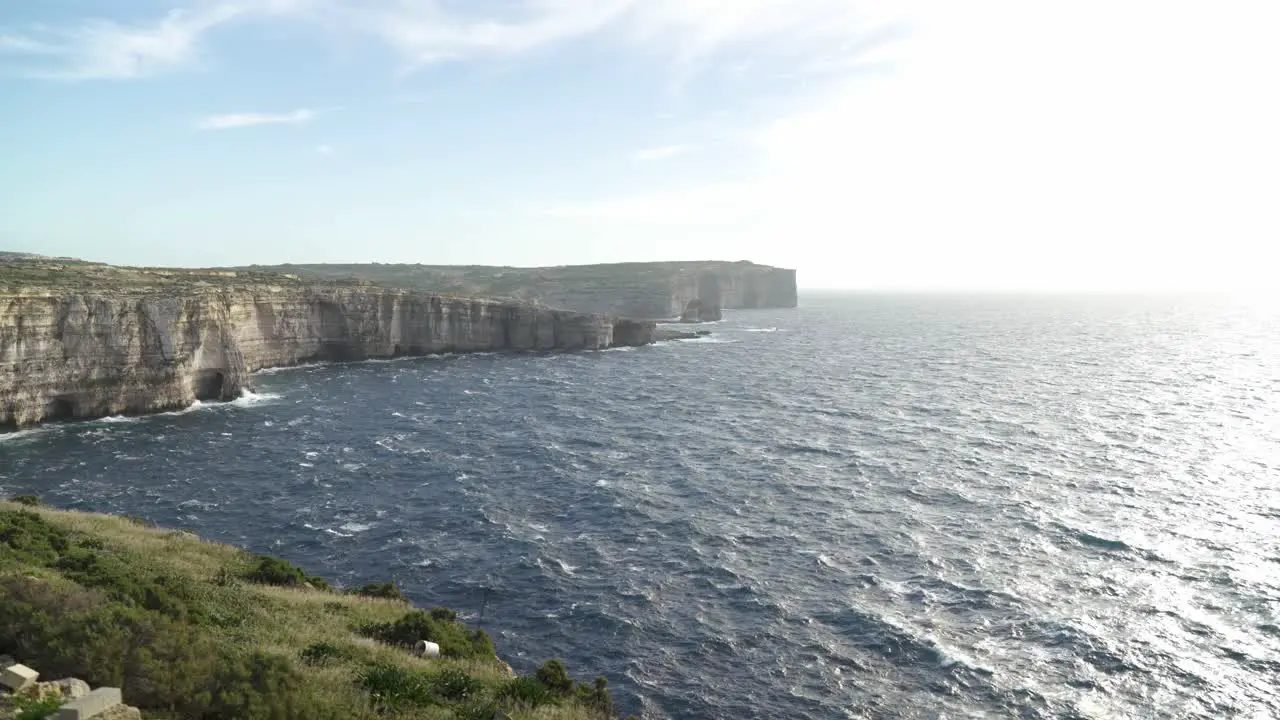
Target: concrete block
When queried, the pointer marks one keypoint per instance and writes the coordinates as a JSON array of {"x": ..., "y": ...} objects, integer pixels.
[
  {"x": 426, "y": 648},
  {"x": 91, "y": 705},
  {"x": 17, "y": 677}
]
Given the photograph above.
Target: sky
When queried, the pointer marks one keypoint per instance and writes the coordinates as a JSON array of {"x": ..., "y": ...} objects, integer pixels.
[{"x": 907, "y": 144}]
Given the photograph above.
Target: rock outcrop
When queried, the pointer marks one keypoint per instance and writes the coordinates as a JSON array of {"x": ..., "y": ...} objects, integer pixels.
[
  {"x": 73, "y": 697},
  {"x": 66, "y": 354}
]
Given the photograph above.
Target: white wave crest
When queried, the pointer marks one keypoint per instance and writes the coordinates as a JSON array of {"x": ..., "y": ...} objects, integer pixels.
[
  {"x": 284, "y": 368},
  {"x": 248, "y": 398},
  {"x": 565, "y": 567},
  {"x": 194, "y": 406},
  {"x": 704, "y": 340},
  {"x": 6, "y": 437}
]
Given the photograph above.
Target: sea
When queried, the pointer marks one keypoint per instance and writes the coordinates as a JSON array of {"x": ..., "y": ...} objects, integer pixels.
[{"x": 870, "y": 506}]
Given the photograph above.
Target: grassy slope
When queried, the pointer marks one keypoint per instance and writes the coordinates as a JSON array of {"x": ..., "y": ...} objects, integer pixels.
[{"x": 173, "y": 619}]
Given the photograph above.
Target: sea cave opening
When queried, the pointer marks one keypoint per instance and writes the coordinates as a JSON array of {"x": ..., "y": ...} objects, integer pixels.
[
  {"x": 210, "y": 384},
  {"x": 60, "y": 408}
]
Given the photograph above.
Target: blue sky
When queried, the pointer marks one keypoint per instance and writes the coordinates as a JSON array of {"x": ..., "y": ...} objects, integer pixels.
[{"x": 996, "y": 144}]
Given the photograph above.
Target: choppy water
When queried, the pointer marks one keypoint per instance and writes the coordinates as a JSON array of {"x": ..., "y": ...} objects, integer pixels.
[{"x": 867, "y": 507}]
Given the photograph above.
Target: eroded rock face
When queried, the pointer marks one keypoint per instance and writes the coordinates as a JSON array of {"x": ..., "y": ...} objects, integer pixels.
[{"x": 66, "y": 356}]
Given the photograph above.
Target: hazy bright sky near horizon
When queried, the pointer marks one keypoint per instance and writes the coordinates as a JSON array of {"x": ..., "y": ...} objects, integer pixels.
[{"x": 989, "y": 144}]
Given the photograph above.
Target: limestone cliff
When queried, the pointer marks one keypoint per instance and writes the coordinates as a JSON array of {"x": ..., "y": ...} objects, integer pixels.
[
  {"x": 66, "y": 354},
  {"x": 693, "y": 291}
]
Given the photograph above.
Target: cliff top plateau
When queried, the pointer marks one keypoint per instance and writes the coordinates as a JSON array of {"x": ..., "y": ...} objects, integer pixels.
[
  {"x": 34, "y": 274},
  {"x": 694, "y": 290}
]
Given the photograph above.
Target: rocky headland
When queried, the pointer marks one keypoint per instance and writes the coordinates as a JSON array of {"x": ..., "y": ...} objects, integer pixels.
[
  {"x": 85, "y": 340},
  {"x": 689, "y": 291}
]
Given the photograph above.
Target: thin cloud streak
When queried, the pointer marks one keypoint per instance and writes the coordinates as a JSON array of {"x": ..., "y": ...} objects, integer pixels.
[
  {"x": 24, "y": 45},
  {"x": 101, "y": 49},
  {"x": 427, "y": 32},
  {"x": 232, "y": 121},
  {"x": 660, "y": 153}
]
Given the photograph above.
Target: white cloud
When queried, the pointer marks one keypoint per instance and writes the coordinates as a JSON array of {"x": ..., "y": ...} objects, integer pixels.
[
  {"x": 1084, "y": 146},
  {"x": 684, "y": 30},
  {"x": 25, "y": 45},
  {"x": 426, "y": 31},
  {"x": 232, "y": 121},
  {"x": 660, "y": 153},
  {"x": 102, "y": 49}
]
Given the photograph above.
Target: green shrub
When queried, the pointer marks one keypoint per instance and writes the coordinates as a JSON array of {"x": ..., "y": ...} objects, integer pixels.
[
  {"x": 387, "y": 590},
  {"x": 478, "y": 710},
  {"x": 394, "y": 688},
  {"x": 322, "y": 653},
  {"x": 174, "y": 597},
  {"x": 453, "y": 637},
  {"x": 29, "y": 500},
  {"x": 26, "y": 539},
  {"x": 271, "y": 570},
  {"x": 555, "y": 677},
  {"x": 453, "y": 684},
  {"x": 526, "y": 692},
  {"x": 224, "y": 577},
  {"x": 258, "y": 685},
  {"x": 597, "y": 697},
  {"x": 37, "y": 709}
]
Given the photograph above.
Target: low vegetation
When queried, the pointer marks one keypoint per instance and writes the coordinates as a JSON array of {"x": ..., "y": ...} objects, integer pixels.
[
  {"x": 191, "y": 629},
  {"x": 21, "y": 275}
]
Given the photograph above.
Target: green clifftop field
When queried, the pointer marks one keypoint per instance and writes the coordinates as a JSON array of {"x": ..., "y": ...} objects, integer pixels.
[{"x": 194, "y": 629}]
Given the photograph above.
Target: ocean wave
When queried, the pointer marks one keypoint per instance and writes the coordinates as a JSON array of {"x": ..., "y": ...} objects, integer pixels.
[
  {"x": 286, "y": 368},
  {"x": 702, "y": 340},
  {"x": 15, "y": 436},
  {"x": 563, "y": 566},
  {"x": 195, "y": 406},
  {"x": 716, "y": 509}
]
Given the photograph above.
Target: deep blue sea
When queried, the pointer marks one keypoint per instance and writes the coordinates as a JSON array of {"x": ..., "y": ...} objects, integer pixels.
[{"x": 867, "y": 507}]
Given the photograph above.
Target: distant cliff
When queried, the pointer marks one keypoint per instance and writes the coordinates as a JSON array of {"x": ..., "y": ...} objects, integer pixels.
[
  {"x": 96, "y": 348},
  {"x": 692, "y": 290}
]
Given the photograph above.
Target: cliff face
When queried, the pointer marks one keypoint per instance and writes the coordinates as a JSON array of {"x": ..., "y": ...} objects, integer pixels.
[
  {"x": 65, "y": 355},
  {"x": 637, "y": 290}
]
